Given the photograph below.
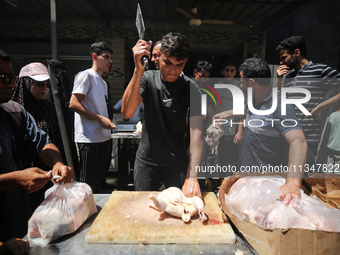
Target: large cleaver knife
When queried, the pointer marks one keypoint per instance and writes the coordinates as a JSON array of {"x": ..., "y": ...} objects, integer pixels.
[{"x": 141, "y": 30}]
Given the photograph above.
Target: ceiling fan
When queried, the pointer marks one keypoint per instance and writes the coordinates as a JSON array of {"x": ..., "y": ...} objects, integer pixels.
[{"x": 194, "y": 22}]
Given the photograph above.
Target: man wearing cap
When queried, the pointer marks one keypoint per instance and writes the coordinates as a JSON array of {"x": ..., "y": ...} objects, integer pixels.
[
  {"x": 91, "y": 123},
  {"x": 20, "y": 141}
]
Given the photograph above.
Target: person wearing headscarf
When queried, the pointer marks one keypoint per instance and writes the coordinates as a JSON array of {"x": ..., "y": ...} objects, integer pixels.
[{"x": 33, "y": 85}]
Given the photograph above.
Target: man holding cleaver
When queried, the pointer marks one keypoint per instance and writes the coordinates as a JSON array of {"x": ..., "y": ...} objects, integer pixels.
[{"x": 169, "y": 128}]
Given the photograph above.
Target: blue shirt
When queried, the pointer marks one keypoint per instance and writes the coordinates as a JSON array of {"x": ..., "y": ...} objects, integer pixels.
[
  {"x": 135, "y": 118},
  {"x": 263, "y": 140}
]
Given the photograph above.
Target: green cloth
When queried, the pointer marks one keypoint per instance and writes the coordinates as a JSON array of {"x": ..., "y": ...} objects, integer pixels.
[{"x": 334, "y": 136}]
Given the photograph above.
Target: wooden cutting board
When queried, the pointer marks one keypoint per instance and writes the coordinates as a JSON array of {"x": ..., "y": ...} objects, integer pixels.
[{"x": 128, "y": 218}]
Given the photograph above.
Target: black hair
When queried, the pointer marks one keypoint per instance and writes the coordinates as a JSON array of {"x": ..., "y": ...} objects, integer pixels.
[
  {"x": 292, "y": 43},
  {"x": 226, "y": 63},
  {"x": 99, "y": 47},
  {"x": 4, "y": 56},
  {"x": 158, "y": 42},
  {"x": 203, "y": 64},
  {"x": 257, "y": 69},
  {"x": 175, "y": 45}
]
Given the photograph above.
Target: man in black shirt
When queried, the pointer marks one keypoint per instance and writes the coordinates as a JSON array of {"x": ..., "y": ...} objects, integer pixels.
[{"x": 163, "y": 150}]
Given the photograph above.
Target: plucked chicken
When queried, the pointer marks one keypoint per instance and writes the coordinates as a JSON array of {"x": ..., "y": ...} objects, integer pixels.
[{"x": 175, "y": 203}]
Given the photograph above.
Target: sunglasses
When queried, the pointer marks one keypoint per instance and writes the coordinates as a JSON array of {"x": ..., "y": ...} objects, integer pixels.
[
  {"x": 7, "y": 79},
  {"x": 41, "y": 84}
]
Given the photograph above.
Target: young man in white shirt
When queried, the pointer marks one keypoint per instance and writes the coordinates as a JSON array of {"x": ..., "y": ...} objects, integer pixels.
[{"x": 91, "y": 123}]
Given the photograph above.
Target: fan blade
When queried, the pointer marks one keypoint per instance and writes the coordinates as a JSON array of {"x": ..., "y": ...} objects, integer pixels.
[
  {"x": 186, "y": 14},
  {"x": 194, "y": 10},
  {"x": 218, "y": 22}
]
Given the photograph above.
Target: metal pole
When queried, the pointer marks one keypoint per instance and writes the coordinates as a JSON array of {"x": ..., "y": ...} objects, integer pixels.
[
  {"x": 54, "y": 29},
  {"x": 56, "y": 98}
]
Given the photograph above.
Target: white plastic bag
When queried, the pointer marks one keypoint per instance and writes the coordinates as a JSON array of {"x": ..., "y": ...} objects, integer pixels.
[
  {"x": 65, "y": 208},
  {"x": 256, "y": 199}
]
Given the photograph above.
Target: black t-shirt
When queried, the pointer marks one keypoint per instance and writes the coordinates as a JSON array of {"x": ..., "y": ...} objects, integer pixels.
[{"x": 166, "y": 119}]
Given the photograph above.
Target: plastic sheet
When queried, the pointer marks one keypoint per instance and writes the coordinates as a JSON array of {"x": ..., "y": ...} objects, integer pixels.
[
  {"x": 65, "y": 208},
  {"x": 256, "y": 199}
]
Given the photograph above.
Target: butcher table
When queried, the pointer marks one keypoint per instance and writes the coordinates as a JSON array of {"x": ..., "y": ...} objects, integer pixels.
[{"x": 75, "y": 243}]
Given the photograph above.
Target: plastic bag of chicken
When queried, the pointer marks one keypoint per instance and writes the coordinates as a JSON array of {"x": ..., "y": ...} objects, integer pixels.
[
  {"x": 256, "y": 199},
  {"x": 65, "y": 208}
]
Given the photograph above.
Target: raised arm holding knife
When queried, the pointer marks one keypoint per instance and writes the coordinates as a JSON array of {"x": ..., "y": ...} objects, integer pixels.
[{"x": 163, "y": 151}]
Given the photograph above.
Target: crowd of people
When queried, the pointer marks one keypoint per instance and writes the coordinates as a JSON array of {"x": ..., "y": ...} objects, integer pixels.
[{"x": 171, "y": 144}]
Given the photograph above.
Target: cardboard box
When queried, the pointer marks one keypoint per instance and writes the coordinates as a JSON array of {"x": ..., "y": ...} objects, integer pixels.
[
  {"x": 326, "y": 187},
  {"x": 281, "y": 241}
]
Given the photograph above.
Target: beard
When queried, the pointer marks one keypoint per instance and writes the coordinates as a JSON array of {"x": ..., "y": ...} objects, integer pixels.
[{"x": 291, "y": 63}]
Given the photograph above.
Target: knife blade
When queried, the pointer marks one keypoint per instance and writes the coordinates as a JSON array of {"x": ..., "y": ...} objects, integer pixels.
[{"x": 141, "y": 30}]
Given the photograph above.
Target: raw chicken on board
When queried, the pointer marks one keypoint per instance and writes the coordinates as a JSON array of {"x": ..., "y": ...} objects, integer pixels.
[
  {"x": 65, "y": 208},
  {"x": 174, "y": 202},
  {"x": 256, "y": 199},
  {"x": 214, "y": 132}
]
